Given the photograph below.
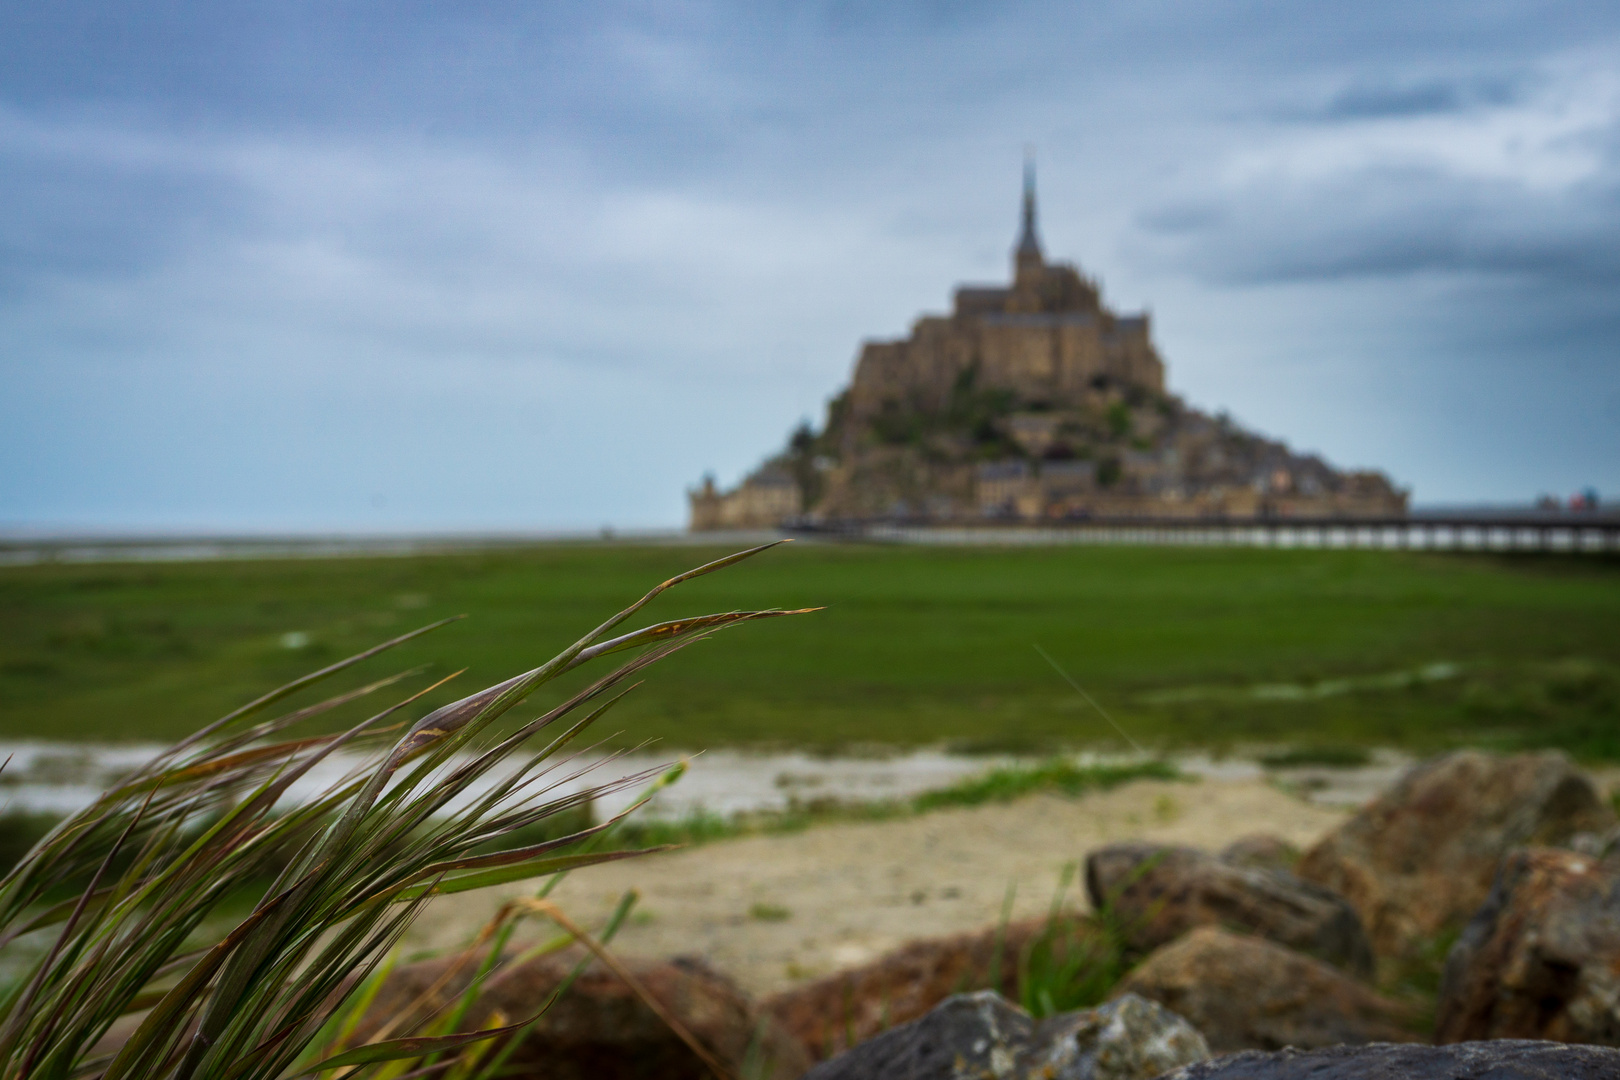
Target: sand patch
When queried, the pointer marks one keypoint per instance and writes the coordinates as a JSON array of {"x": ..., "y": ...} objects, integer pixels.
[{"x": 773, "y": 911}]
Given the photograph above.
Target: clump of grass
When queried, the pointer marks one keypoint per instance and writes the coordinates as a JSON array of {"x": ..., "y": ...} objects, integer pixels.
[
  {"x": 769, "y": 913},
  {"x": 1414, "y": 977},
  {"x": 1329, "y": 756},
  {"x": 153, "y": 858},
  {"x": 1075, "y": 961},
  {"x": 1058, "y": 775}
]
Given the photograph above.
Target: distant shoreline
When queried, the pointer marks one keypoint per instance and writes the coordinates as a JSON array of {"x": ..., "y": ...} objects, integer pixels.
[
  {"x": 29, "y": 547},
  {"x": 20, "y": 549}
]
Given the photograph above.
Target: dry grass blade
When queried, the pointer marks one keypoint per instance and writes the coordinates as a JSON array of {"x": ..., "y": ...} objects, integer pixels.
[
  {"x": 125, "y": 886},
  {"x": 677, "y": 628}
]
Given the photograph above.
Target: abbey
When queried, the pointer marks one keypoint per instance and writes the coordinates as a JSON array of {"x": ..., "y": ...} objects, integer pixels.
[
  {"x": 1046, "y": 338},
  {"x": 1029, "y": 401}
]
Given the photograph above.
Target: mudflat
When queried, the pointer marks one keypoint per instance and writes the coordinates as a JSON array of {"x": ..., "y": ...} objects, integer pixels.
[{"x": 772, "y": 911}]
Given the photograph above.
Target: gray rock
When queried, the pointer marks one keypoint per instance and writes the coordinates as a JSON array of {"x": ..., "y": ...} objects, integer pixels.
[
  {"x": 1500, "y": 1059},
  {"x": 1130, "y": 1038},
  {"x": 1541, "y": 957},
  {"x": 965, "y": 1037},
  {"x": 983, "y": 1037},
  {"x": 1158, "y": 893}
]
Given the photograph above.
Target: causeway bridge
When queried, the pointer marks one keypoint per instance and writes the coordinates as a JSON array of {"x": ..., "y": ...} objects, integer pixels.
[{"x": 1572, "y": 531}]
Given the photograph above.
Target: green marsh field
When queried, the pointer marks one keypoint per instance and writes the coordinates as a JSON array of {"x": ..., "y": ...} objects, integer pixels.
[{"x": 1214, "y": 648}]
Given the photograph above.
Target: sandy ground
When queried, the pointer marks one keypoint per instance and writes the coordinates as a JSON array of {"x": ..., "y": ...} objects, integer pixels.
[{"x": 838, "y": 895}]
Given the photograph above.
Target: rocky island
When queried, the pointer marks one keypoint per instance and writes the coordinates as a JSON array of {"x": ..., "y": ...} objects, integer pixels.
[{"x": 1032, "y": 401}]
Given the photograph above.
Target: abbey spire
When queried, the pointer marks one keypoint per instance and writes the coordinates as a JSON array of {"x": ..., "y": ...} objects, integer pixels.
[{"x": 1027, "y": 255}]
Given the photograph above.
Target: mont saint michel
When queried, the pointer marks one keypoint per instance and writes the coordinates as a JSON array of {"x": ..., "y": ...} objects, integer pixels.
[{"x": 1031, "y": 401}]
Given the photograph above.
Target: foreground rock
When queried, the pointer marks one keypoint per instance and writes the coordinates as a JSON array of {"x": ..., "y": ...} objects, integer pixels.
[
  {"x": 1421, "y": 857},
  {"x": 600, "y": 1029},
  {"x": 851, "y": 1006},
  {"x": 1508, "y": 1059},
  {"x": 1159, "y": 893},
  {"x": 967, "y": 1036},
  {"x": 1541, "y": 958},
  {"x": 1246, "y": 993},
  {"x": 1129, "y": 1038},
  {"x": 1261, "y": 851},
  {"x": 983, "y": 1037}
]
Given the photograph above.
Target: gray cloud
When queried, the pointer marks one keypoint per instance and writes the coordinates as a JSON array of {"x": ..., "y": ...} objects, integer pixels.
[
  {"x": 1379, "y": 223},
  {"x": 1364, "y": 101},
  {"x": 1428, "y": 178},
  {"x": 546, "y": 265}
]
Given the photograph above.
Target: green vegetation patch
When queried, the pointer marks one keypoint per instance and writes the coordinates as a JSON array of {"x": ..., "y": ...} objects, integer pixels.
[
  {"x": 917, "y": 646},
  {"x": 1335, "y": 757},
  {"x": 769, "y": 913},
  {"x": 1056, "y": 776},
  {"x": 1571, "y": 704}
]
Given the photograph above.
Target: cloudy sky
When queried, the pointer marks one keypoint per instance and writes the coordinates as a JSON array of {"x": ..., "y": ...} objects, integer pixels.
[{"x": 382, "y": 266}]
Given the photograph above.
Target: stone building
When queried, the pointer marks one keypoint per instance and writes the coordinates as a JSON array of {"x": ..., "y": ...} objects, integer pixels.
[
  {"x": 766, "y": 499},
  {"x": 1046, "y": 338},
  {"x": 1031, "y": 401}
]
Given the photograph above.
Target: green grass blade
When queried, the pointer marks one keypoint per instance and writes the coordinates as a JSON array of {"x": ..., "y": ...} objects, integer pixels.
[{"x": 520, "y": 872}]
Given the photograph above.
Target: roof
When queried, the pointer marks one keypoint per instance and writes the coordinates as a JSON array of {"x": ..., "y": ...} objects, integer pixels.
[{"x": 980, "y": 299}]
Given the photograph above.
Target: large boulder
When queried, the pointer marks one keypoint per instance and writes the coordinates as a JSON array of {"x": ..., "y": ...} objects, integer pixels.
[
  {"x": 981, "y": 1036},
  {"x": 1246, "y": 993},
  {"x": 1421, "y": 857},
  {"x": 1156, "y": 894},
  {"x": 1541, "y": 957},
  {"x": 601, "y": 1029},
  {"x": 848, "y": 1007},
  {"x": 1507, "y": 1059}
]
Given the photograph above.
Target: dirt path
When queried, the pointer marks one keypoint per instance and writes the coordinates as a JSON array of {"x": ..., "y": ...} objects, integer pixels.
[{"x": 772, "y": 911}]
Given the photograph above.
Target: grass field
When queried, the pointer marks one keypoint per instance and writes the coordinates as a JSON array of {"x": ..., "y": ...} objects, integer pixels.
[{"x": 1211, "y": 647}]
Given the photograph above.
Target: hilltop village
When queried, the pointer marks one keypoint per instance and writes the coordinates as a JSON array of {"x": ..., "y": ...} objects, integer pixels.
[{"x": 1029, "y": 402}]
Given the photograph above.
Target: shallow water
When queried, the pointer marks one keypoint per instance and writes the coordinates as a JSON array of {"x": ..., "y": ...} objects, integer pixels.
[{"x": 62, "y": 777}]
